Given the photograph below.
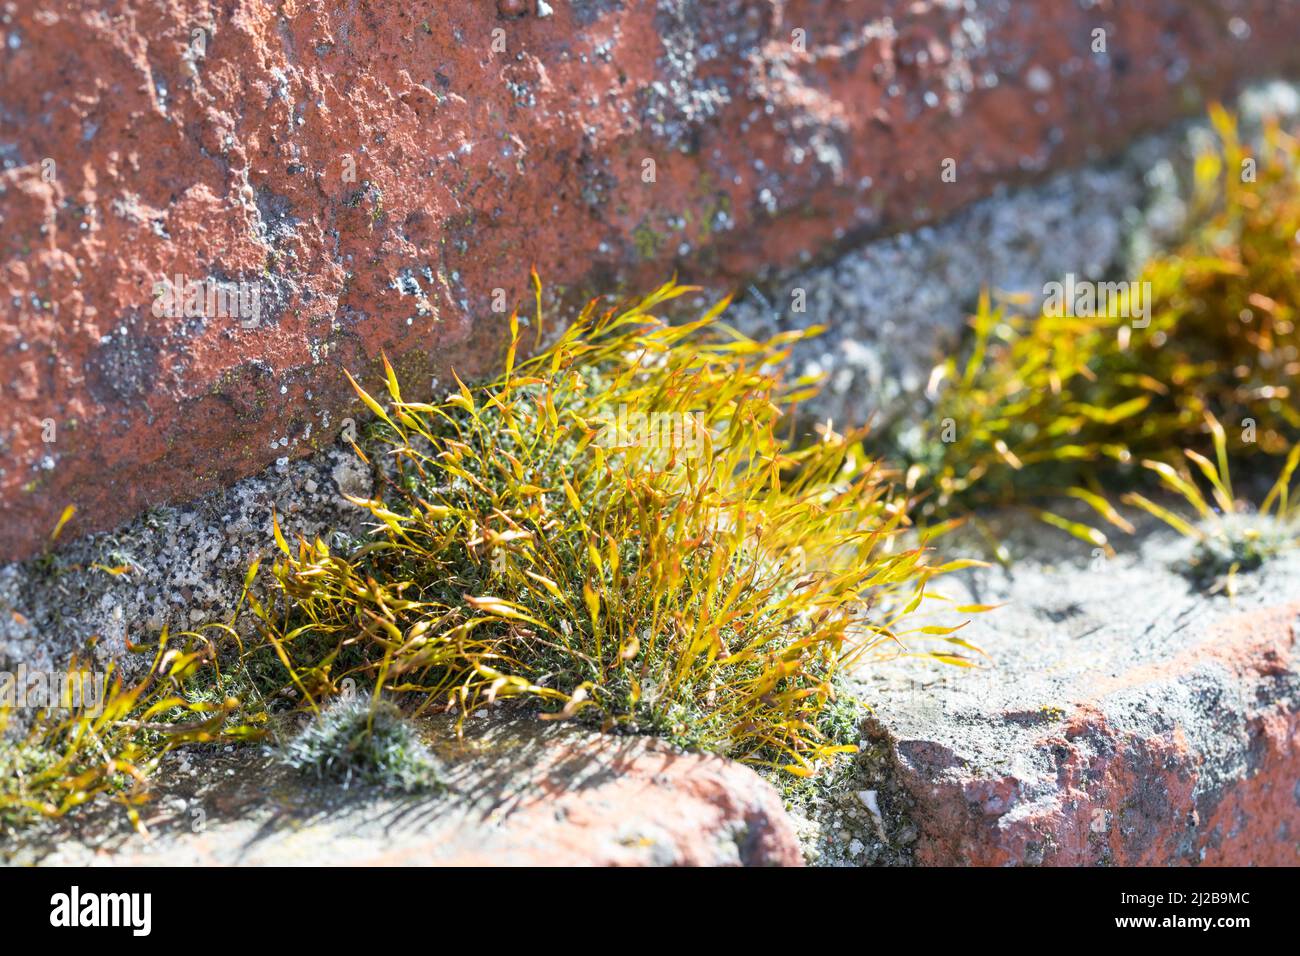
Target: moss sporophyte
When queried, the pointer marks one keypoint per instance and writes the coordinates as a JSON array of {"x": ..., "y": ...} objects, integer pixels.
[
  {"x": 634, "y": 529},
  {"x": 1065, "y": 402},
  {"x": 614, "y": 530},
  {"x": 679, "y": 569}
]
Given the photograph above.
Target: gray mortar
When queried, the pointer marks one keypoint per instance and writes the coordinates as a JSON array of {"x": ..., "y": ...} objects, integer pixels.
[{"x": 187, "y": 563}]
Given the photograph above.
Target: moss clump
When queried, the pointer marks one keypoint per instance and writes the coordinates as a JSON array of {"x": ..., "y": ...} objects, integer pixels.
[
  {"x": 1228, "y": 535},
  {"x": 1230, "y": 544},
  {"x": 84, "y": 748},
  {"x": 357, "y": 741},
  {"x": 1061, "y": 404},
  {"x": 22, "y": 763},
  {"x": 684, "y": 571},
  {"x": 616, "y": 531}
]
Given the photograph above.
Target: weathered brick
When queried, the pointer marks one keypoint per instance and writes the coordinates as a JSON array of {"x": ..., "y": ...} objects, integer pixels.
[{"x": 471, "y": 165}]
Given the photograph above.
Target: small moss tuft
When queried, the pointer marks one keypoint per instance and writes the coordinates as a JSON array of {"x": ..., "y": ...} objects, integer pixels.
[
  {"x": 1228, "y": 535},
  {"x": 355, "y": 741}
]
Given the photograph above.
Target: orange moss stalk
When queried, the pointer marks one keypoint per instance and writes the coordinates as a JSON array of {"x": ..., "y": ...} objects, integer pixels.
[
  {"x": 616, "y": 530},
  {"x": 108, "y": 743},
  {"x": 1050, "y": 405}
]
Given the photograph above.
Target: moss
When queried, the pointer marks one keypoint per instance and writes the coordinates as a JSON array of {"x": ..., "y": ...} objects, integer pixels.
[
  {"x": 691, "y": 575},
  {"x": 1046, "y": 405},
  {"x": 646, "y": 240},
  {"x": 839, "y": 723},
  {"x": 83, "y": 749},
  {"x": 1233, "y": 544},
  {"x": 1228, "y": 536},
  {"x": 837, "y": 826},
  {"x": 21, "y": 761},
  {"x": 353, "y": 741},
  {"x": 523, "y": 547}
]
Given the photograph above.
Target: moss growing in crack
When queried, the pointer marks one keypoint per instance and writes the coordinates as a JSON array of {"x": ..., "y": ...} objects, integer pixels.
[
  {"x": 839, "y": 722},
  {"x": 524, "y": 549},
  {"x": 1228, "y": 536},
  {"x": 92, "y": 733},
  {"x": 615, "y": 531},
  {"x": 83, "y": 745},
  {"x": 1050, "y": 405},
  {"x": 358, "y": 741},
  {"x": 857, "y": 812}
]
